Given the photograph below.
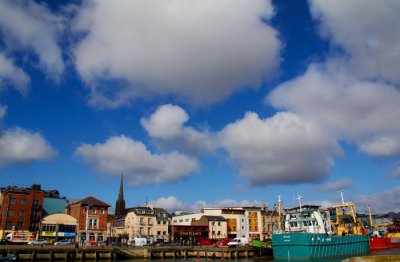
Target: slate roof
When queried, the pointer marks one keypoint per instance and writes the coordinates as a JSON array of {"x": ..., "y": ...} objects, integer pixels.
[{"x": 92, "y": 201}]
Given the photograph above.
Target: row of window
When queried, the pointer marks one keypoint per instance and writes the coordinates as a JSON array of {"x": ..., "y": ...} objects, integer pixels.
[
  {"x": 23, "y": 201},
  {"x": 159, "y": 233},
  {"x": 94, "y": 210},
  {"x": 61, "y": 228},
  {"x": 20, "y": 225}
]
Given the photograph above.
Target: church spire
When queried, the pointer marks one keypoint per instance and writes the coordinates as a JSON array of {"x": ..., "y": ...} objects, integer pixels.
[{"x": 120, "y": 204}]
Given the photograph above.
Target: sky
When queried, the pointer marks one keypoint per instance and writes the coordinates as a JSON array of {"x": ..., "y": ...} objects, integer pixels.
[{"x": 203, "y": 103}]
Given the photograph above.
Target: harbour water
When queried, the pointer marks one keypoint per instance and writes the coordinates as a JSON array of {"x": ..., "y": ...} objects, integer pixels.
[{"x": 381, "y": 252}]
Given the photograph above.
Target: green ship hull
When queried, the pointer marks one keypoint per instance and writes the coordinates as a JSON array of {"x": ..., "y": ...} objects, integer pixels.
[{"x": 309, "y": 245}]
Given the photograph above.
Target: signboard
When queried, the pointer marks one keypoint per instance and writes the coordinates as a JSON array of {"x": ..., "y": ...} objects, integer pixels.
[
  {"x": 69, "y": 234},
  {"x": 190, "y": 233},
  {"x": 48, "y": 234},
  {"x": 23, "y": 236}
]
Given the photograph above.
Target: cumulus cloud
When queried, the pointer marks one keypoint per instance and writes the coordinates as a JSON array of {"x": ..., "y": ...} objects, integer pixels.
[
  {"x": 201, "y": 51},
  {"x": 167, "y": 126},
  {"x": 21, "y": 147},
  {"x": 172, "y": 204},
  {"x": 359, "y": 111},
  {"x": 284, "y": 149},
  {"x": 387, "y": 201},
  {"x": 361, "y": 28},
  {"x": 140, "y": 166},
  {"x": 26, "y": 25},
  {"x": 13, "y": 76},
  {"x": 337, "y": 185}
]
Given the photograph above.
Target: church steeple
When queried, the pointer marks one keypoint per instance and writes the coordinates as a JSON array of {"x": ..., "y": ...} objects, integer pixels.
[{"x": 120, "y": 204}]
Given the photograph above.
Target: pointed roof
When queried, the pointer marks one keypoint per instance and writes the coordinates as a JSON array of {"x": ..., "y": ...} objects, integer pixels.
[
  {"x": 121, "y": 188},
  {"x": 91, "y": 201}
]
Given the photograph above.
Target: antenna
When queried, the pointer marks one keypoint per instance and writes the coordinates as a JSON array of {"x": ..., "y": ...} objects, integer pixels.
[
  {"x": 147, "y": 200},
  {"x": 299, "y": 198},
  {"x": 342, "y": 196}
]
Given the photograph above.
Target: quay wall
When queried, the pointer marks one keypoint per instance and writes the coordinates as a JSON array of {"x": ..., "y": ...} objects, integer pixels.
[{"x": 36, "y": 253}]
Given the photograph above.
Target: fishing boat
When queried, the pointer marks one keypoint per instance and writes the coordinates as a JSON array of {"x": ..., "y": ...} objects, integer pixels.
[{"x": 308, "y": 232}]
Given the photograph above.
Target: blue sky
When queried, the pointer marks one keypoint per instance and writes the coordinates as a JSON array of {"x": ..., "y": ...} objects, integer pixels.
[{"x": 202, "y": 102}]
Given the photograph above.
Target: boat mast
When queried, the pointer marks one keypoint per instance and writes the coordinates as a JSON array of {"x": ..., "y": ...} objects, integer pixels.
[{"x": 280, "y": 213}]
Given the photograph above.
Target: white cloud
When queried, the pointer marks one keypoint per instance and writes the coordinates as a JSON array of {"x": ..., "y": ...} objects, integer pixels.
[
  {"x": 13, "y": 76},
  {"x": 359, "y": 111},
  {"x": 3, "y": 111},
  {"x": 284, "y": 149},
  {"x": 388, "y": 200},
  {"x": 200, "y": 51},
  {"x": 363, "y": 29},
  {"x": 167, "y": 125},
  {"x": 337, "y": 185},
  {"x": 172, "y": 204},
  {"x": 21, "y": 147},
  {"x": 140, "y": 166},
  {"x": 26, "y": 25}
]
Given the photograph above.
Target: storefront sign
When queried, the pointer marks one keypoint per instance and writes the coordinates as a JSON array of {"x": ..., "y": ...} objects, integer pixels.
[
  {"x": 190, "y": 233},
  {"x": 48, "y": 234},
  {"x": 69, "y": 234}
]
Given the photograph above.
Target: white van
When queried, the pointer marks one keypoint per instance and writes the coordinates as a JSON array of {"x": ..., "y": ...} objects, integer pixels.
[
  {"x": 137, "y": 241},
  {"x": 239, "y": 241}
]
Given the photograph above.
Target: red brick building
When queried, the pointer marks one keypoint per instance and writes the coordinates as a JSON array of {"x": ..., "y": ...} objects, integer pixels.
[
  {"x": 92, "y": 218},
  {"x": 20, "y": 209}
]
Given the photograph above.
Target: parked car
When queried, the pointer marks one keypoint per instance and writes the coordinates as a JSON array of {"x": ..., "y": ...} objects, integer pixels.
[
  {"x": 64, "y": 242},
  {"x": 223, "y": 242},
  {"x": 38, "y": 242},
  {"x": 203, "y": 242}
]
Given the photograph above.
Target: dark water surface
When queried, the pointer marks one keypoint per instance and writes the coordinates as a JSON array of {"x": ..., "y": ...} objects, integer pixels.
[{"x": 392, "y": 251}]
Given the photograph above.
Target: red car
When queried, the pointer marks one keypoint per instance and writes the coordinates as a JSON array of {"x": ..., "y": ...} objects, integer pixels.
[
  {"x": 223, "y": 242},
  {"x": 203, "y": 242}
]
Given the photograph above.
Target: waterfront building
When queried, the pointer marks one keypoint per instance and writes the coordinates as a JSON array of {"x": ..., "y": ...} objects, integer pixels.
[
  {"x": 53, "y": 203},
  {"x": 162, "y": 223},
  {"x": 21, "y": 209},
  {"x": 56, "y": 227},
  {"x": 191, "y": 228},
  {"x": 92, "y": 218}
]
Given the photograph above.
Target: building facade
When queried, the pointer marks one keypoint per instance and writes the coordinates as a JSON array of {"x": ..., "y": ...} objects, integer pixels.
[
  {"x": 58, "y": 227},
  {"x": 91, "y": 214},
  {"x": 21, "y": 209}
]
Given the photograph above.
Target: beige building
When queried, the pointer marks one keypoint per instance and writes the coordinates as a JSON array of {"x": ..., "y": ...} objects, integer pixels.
[
  {"x": 147, "y": 222},
  {"x": 59, "y": 226}
]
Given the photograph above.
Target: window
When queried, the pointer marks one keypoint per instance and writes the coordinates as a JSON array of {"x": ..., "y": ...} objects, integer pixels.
[
  {"x": 22, "y": 213},
  {"x": 19, "y": 225},
  {"x": 164, "y": 233},
  {"x": 90, "y": 222},
  {"x": 94, "y": 210},
  {"x": 8, "y": 224},
  {"x": 101, "y": 210},
  {"x": 142, "y": 221},
  {"x": 158, "y": 233},
  {"x": 10, "y": 213},
  {"x": 141, "y": 231},
  {"x": 149, "y": 221},
  {"x": 23, "y": 202},
  {"x": 164, "y": 222},
  {"x": 85, "y": 208},
  {"x": 92, "y": 236},
  {"x": 213, "y": 232},
  {"x": 213, "y": 223},
  {"x": 219, "y": 223},
  {"x": 49, "y": 227},
  {"x": 100, "y": 237},
  {"x": 149, "y": 231},
  {"x": 12, "y": 201},
  {"x": 95, "y": 222},
  {"x": 219, "y": 233}
]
